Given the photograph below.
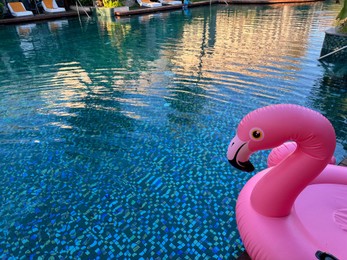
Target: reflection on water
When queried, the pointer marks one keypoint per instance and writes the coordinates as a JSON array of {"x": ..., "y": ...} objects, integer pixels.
[
  {"x": 57, "y": 25},
  {"x": 330, "y": 89},
  {"x": 113, "y": 133}
]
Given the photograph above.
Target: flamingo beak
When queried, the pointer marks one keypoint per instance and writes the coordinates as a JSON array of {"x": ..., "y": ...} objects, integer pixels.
[{"x": 238, "y": 155}]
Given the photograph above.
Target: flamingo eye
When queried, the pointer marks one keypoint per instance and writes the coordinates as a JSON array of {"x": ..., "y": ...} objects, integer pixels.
[{"x": 256, "y": 134}]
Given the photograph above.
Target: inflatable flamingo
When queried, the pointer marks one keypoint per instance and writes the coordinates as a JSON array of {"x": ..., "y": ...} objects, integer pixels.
[{"x": 298, "y": 207}]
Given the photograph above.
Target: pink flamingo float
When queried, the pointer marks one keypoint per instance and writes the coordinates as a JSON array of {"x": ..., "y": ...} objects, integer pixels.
[{"x": 297, "y": 208}]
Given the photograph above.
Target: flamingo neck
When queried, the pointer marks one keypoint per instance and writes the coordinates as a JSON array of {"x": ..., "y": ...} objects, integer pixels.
[{"x": 275, "y": 193}]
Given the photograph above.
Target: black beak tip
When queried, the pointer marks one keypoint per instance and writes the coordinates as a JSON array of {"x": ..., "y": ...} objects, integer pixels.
[{"x": 243, "y": 166}]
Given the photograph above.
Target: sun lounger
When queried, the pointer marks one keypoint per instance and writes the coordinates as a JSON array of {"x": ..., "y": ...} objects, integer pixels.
[
  {"x": 148, "y": 3},
  {"x": 170, "y": 2},
  {"x": 18, "y": 9},
  {"x": 50, "y": 6}
]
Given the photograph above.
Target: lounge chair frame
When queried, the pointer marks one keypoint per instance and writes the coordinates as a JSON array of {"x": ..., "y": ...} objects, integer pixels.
[
  {"x": 55, "y": 9},
  {"x": 14, "y": 8}
]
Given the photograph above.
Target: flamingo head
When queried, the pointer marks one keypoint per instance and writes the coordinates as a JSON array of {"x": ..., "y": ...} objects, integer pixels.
[{"x": 271, "y": 126}]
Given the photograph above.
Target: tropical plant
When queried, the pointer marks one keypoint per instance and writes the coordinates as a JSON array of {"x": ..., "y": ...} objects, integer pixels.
[
  {"x": 341, "y": 19},
  {"x": 112, "y": 3}
]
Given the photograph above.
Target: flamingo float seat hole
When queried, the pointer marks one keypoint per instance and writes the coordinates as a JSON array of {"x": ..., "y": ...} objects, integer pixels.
[{"x": 298, "y": 205}]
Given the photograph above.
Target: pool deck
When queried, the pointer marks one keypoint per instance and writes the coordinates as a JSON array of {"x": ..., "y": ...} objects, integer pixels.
[
  {"x": 142, "y": 10},
  {"x": 245, "y": 256},
  {"x": 38, "y": 17},
  {"x": 201, "y": 3},
  {"x": 163, "y": 8},
  {"x": 269, "y": 1}
]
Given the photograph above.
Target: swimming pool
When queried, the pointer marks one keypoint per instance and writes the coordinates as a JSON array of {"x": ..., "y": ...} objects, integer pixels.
[{"x": 114, "y": 134}]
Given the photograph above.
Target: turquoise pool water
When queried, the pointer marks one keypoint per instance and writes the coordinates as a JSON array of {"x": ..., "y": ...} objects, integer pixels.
[{"x": 113, "y": 135}]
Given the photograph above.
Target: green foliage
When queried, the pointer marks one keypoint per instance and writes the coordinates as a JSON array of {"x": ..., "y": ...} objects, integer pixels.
[
  {"x": 341, "y": 19},
  {"x": 112, "y": 3}
]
